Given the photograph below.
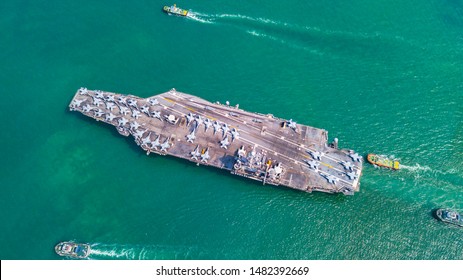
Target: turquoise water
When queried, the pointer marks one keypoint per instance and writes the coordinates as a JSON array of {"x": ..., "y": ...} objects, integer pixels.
[{"x": 384, "y": 77}]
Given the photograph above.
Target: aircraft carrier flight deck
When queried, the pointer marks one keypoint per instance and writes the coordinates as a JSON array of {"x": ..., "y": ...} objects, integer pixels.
[{"x": 257, "y": 146}]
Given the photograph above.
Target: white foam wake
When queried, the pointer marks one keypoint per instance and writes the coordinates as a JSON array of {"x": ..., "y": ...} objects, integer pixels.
[
  {"x": 200, "y": 18},
  {"x": 261, "y": 20},
  {"x": 139, "y": 252},
  {"x": 290, "y": 44},
  {"x": 261, "y": 34},
  {"x": 106, "y": 253},
  {"x": 416, "y": 168},
  {"x": 292, "y": 35}
]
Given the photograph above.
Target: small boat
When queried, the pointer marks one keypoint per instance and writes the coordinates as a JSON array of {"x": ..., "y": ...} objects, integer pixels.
[
  {"x": 174, "y": 10},
  {"x": 450, "y": 216},
  {"x": 383, "y": 161},
  {"x": 73, "y": 250}
]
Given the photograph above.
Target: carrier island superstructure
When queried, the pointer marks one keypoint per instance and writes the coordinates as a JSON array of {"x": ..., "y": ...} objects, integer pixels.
[{"x": 257, "y": 146}]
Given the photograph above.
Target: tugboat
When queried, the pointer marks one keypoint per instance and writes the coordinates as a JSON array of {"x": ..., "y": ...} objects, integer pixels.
[
  {"x": 176, "y": 11},
  {"x": 73, "y": 250},
  {"x": 383, "y": 161},
  {"x": 450, "y": 216}
]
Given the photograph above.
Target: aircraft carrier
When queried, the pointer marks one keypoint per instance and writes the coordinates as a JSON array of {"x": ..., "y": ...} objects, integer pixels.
[{"x": 257, "y": 146}]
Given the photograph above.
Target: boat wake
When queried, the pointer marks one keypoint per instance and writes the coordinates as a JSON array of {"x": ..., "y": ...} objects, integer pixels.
[
  {"x": 139, "y": 252},
  {"x": 312, "y": 39},
  {"x": 285, "y": 42},
  {"x": 416, "y": 168},
  {"x": 426, "y": 169},
  {"x": 113, "y": 254},
  {"x": 443, "y": 179},
  {"x": 199, "y": 17}
]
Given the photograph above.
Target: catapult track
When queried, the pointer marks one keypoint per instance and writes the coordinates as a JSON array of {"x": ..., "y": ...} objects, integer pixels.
[{"x": 253, "y": 145}]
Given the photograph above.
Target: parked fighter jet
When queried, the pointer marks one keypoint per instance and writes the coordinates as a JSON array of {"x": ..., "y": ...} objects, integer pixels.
[
  {"x": 110, "y": 106},
  {"x": 83, "y": 91},
  {"x": 147, "y": 139},
  {"x": 133, "y": 103},
  {"x": 316, "y": 155},
  {"x": 352, "y": 175},
  {"x": 207, "y": 124},
  {"x": 122, "y": 121},
  {"x": 191, "y": 137},
  {"x": 355, "y": 157},
  {"x": 312, "y": 164},
  {"x": 205, "y": 156},
  {"x": 99, "y": 94},
  {"x": 198, "y": 120},
  {"x": 87, "y": 108},
  {"x": 99, "y": 113},
  {"x": 165, "y": 145},
  {"x": 195, "y": 154},
  {"x": 145, "y": 109},
  {"x": 156, "y": 114},
  {"x": 189, "y": 118},
  {"x": 124, "y": 110},
  {"x": 135, "y": 114},
  {"x": 139, "y": 134},
  {"x": 155, "y": 144},
  {"x": 97, "y": 102},
  {"x": 77, "y": 102},
  {"x": 110, "y": 98},
  {"x": 122, "y": 100},
  {"x": 110, "y": 117},
  {"x": 216, "y": 126},
  {"x": 225, "y": 129},
  {"x": 134, "y": 125},
  {"x": 235, "y": 134},
  {"x": 347, "y": 165},
  {"x": 153, "y": 101},
  {"x": 330, "y": 178},
  {"x": 224, "y": 143},
  {"x": 292, "y": 124}
]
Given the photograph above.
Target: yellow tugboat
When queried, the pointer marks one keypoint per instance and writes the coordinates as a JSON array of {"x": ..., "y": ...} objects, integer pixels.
[
  {"x": 383, "y": 161},
  {"x": 174, "y": 10}
]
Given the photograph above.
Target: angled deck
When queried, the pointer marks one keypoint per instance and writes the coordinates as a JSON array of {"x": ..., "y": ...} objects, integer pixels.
[{"x": 256, "y": 146}]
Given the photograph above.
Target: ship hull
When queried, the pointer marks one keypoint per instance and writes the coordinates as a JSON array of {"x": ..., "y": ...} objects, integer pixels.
[{"x": 253, "y": 145}]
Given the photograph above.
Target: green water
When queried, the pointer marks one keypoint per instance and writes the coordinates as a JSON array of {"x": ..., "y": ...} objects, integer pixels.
[{"x": 382, "y": 76}]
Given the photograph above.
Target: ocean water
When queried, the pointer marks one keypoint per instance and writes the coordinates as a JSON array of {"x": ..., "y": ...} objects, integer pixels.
[{"x": 382, "y": 76}]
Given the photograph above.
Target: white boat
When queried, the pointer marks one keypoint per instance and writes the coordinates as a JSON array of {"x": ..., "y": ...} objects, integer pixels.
[{"x": 72, "y": 249}]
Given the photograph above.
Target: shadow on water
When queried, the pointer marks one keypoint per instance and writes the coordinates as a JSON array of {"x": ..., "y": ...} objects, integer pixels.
[
  {"x": 433, "y": 213},
  {"x": 246, "y": 182},
  {"x": 452, "y": 13},
  {"x": 128, "y": 139}
]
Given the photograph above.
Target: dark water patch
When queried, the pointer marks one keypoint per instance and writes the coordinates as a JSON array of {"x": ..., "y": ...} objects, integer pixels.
[{"x": 451, "y": 12}]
